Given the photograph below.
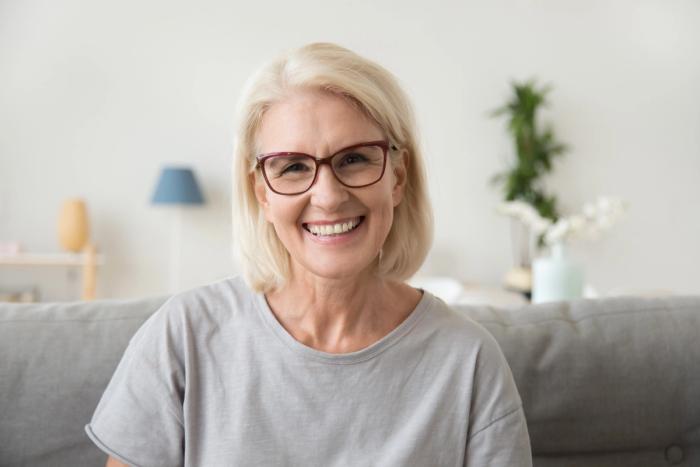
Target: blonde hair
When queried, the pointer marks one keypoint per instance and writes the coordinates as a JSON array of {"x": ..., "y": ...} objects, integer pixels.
[{"x": 330, "y": 68}]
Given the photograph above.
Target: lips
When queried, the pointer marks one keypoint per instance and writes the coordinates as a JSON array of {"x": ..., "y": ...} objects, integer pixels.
[{"x": 333, "y": 228}]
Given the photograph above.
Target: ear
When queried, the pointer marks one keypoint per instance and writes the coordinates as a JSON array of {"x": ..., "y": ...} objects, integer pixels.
[
  {"x": 260, "y": 189},
  {"x": 400, "y": 170}
]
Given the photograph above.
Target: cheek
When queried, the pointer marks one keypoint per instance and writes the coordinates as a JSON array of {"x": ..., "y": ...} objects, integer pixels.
[
  {"x": 385, "y": 223},
  {"x": 283, "y": 212},
  {"x": 384, "y": 209}
]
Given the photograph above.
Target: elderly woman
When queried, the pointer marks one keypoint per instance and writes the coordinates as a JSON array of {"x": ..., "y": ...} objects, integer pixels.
[{"x": 321, "y": 355}]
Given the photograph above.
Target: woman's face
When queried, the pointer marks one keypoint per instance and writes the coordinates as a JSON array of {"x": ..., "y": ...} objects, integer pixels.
[{"x": 320, "y": 124}]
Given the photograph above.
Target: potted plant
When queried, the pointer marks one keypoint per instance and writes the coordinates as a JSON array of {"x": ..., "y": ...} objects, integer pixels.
[
  {"x": 535, "y": 150},
  {"x": 558, "y": 277}
]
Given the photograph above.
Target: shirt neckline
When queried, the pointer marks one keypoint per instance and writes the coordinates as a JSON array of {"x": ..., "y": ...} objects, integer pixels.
[{"x": 357, "y": 356}]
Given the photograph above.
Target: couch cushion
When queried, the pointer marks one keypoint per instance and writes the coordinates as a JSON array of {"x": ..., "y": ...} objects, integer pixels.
[
  {"x": 607, "y": 382},
  {"x": 55, "y": 361}
]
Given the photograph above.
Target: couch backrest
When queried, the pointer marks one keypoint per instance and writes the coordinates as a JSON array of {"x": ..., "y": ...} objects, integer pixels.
[
  {"x": 55, "y": 361},
  {"x": 606, "y": 382}
]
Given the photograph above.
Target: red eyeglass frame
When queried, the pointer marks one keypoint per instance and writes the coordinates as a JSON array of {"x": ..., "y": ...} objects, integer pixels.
[{"x": 319, "y": 161}]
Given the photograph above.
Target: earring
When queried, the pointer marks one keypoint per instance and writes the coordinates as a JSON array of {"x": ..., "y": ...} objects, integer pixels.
[{"x": 381, "y": 253}]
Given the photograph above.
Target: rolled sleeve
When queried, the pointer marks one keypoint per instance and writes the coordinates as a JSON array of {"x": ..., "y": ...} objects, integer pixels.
[{"x": 139, "y": 417}]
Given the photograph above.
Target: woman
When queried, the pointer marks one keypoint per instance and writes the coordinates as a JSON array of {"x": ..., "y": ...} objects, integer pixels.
[{"x": 322, "y": 356}]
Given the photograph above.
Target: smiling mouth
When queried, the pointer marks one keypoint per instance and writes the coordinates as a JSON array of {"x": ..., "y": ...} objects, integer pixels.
[{"x": 329, "y": 230}]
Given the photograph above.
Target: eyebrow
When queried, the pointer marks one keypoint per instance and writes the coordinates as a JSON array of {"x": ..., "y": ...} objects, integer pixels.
[{"x": 348, "y": 146}]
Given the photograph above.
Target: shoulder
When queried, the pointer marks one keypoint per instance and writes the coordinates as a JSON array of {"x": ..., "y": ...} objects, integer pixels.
[
  {"x": 469, "y": 346},
  {"x": 473, "y": 349},
  {"x": 224, "y": 297},
  {"x": 458, "y": 328},
  {"x": 493, "y": 392},
  {"x": 230, "y": 293},
  {"x": 194, "y": 311}
]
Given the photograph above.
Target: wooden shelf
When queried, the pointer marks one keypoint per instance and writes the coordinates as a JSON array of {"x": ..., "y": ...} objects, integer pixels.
[
  {"x": 88, "y": 260},
  {"x": 48, "y": 259}
]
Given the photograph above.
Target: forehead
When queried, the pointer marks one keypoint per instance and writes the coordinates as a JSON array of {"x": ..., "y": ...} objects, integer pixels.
[{"x": 315, "y": 122}]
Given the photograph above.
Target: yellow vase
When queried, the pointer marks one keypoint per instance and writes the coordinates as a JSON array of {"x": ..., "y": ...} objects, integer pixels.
[{"x": 73, "y": 228}]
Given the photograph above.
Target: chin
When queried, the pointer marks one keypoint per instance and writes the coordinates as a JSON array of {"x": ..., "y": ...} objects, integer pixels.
[{"x": 335, "y": 269}]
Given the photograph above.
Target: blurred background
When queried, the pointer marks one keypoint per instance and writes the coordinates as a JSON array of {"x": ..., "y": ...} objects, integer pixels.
[{"x": 97, "y": 97}]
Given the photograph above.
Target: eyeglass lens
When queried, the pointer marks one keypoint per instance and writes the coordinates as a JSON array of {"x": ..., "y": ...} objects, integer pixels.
[{"x": 354, "y": 167}]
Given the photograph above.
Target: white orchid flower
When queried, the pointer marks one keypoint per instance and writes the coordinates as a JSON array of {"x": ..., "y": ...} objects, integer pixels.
[{"x": 594, "y": 219}]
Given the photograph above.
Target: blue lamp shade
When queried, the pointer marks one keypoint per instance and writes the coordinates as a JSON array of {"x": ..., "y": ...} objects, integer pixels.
[{"x": 177, "y": 186}]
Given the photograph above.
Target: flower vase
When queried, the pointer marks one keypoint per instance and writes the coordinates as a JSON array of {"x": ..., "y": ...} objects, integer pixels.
[{"x": 557, "y": 277}]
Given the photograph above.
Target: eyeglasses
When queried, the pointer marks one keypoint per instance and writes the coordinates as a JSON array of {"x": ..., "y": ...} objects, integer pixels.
[{"x": 293, "y": 173}]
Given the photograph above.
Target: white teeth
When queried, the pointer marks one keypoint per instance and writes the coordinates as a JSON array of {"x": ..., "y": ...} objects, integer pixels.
[{"x": 333, "y": 229}]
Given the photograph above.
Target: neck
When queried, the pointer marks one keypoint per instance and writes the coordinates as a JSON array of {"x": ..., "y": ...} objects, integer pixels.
[{"x": 341, "y": 315}]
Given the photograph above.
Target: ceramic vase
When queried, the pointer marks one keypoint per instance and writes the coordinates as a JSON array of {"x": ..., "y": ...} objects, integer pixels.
[
  {"x": 557, "y": 277},
  {"x": 73, "y": 228}
]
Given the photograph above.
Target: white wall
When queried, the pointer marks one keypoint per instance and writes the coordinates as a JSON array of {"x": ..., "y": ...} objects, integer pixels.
[{"x": 95, "y": 96}]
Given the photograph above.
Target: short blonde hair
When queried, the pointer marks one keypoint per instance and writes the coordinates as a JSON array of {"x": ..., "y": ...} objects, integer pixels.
[{"x": 329, "y": 68}]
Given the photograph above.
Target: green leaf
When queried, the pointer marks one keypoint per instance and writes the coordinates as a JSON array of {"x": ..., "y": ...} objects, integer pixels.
[{"x": 535, "y": 149}]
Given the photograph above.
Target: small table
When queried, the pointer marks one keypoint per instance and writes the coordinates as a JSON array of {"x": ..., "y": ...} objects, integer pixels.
[{"x": 88, "y": 260}]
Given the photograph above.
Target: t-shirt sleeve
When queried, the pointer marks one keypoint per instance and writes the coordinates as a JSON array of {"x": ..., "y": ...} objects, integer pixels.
[
  {"x": 498, "y": 433},
  {"x": 139, "y": 419}
]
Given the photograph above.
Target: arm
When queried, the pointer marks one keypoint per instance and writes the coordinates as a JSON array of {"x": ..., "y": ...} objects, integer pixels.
[
  {"x": 505, "y": 442},
  {"x": 144, "y": 392},
  {"x": 498, "y": 433}
]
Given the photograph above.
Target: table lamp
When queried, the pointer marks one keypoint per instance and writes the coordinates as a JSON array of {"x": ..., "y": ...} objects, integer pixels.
[{"x": 177, "y": 187}]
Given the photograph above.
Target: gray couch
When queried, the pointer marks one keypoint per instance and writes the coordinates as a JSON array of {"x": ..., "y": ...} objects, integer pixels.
[{"x": 606, "y": 382}]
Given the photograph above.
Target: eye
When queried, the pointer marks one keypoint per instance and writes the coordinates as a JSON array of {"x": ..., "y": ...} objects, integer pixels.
[
  {"x": 295, "y": 167},
  {"x": 353, "y": 158},
  {"x": 287, "y": 166}
]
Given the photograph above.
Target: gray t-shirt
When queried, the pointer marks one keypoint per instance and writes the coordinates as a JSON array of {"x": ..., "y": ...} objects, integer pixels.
[{"x": 213, "y": 379}]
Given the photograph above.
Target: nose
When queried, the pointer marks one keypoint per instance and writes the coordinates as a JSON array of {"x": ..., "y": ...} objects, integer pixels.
[{"x": 327, "y": 192}]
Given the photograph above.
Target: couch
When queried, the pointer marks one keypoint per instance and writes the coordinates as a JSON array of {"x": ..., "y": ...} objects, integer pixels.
[{"x": 604, "y": 382}]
